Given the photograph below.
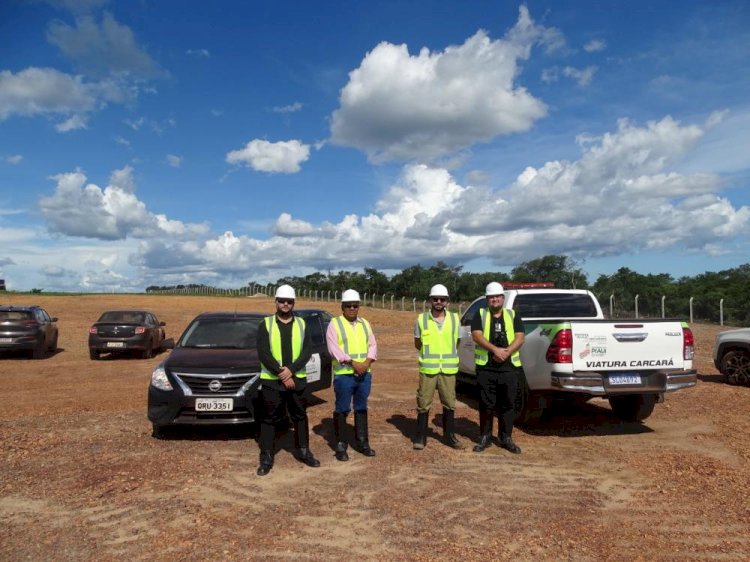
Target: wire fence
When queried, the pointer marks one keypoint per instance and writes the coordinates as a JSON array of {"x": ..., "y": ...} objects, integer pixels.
[{"x": 702, "y": 309}]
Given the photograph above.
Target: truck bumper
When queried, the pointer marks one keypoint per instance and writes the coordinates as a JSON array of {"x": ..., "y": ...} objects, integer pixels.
[{"x": 606, "y": 384}]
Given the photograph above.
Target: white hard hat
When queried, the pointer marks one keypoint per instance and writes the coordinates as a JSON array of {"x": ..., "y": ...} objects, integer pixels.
[
  {"x": 350, "y": 295},
  {"x": 439, "y": 291},
  {"x": 494, "y": 288},
  {"x": 285, "y": 292}
]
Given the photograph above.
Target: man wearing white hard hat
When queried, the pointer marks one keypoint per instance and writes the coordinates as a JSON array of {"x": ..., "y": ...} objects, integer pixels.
[
  {"x": 284, "y": 348},
  {"x": 498, "y": 334},
  {"x": 352, "y": 346},
  {"x": 436, "y": 339}
]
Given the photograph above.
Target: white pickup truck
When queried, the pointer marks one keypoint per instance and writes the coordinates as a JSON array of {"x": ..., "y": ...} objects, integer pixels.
[{"x": 571, "y": 352}]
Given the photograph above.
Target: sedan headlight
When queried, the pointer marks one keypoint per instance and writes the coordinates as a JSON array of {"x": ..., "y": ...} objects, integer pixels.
[{"x": 159, "y": 379}]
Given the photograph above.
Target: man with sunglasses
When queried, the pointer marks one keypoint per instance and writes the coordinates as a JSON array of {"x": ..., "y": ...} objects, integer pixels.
[
  {"x": 498, "y": 334},
  {"x": 352, "y": 346},
  {"x": 436, "y": 339},
  {"x": 284, "y": 348}
]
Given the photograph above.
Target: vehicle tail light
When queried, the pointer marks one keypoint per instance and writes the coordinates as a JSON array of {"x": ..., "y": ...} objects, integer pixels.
[
  {"x": 139, "y": 329},
  {"x": 688, "y": 344},
  {"x": 93, "y": 330},
  {"x": 560, "y": 350}
]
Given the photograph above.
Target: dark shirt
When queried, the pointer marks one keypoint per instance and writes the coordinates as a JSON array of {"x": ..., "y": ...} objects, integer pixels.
[
  {"x": 285, "y": 331},
  {"x": 498, "y": 337}
]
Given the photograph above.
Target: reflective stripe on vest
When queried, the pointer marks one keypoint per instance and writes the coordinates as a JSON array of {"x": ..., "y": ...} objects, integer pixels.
[
  {"x": 355, "y": 343},
  {"x": 481, "y": 355},
  {"x": 438, "y": 353},
  {"x": 274, "y": 337}
]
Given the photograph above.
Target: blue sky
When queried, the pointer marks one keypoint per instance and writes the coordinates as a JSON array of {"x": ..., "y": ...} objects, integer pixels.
[{"x": 157, "y": 143}]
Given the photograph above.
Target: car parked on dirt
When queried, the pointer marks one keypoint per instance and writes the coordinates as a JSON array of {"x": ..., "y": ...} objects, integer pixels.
[
  {"x": 732, "y": 355},
  {"x": 212, "y": 376},
  {"x": 126, "y": 331},
  {"x": 27, "y": 328}
]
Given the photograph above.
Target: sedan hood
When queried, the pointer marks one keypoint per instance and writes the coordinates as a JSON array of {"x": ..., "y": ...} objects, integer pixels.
[{"x": 228, "y": 360}]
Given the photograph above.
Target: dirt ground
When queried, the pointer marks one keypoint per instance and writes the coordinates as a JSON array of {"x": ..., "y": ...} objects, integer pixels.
[{"x": 81, "y": 478}]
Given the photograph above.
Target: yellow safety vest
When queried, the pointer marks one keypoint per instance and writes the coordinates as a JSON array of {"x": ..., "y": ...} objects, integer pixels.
[
  {"x": 354, "y": 340},
  {"x": 274, "y": 337},
  {"x": 438, "y": 353},
  {"x": 481, "y": 355}
]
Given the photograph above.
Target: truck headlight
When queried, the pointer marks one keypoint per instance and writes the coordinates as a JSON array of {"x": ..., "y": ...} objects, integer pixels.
[{"x": 159, "y": 379}]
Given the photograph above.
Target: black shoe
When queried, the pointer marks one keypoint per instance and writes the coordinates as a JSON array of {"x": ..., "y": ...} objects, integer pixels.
[
  {"x": 341, "y": 454},
  {"x": 304, "y": 455},
  {"x": 508, "y": 445},
  {"x": 484, "y": 442},
  {"x": 365, "y": 449},
  {"x": 266, "y": 464}
]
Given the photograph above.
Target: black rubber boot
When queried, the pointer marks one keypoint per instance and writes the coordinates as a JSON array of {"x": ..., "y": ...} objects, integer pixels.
[
  {"x": 420, "y": 439},
  {"x": 301, "y": 442},
  {"x": 485, "y": 431},
  {"x": 449, "y": 430},
  {"x": 339, "y": 428},
  {"x": 361, "y": 434},
  {"x": 265, "y": 442}
]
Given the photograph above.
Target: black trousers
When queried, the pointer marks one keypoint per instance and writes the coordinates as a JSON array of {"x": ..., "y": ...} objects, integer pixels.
[
  {"x": 277, "y": 401},
  {"x": 497, "y": 394}
]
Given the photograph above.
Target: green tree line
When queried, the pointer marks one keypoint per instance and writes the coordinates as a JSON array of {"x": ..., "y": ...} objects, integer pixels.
[{"x": 620, "y": 289}]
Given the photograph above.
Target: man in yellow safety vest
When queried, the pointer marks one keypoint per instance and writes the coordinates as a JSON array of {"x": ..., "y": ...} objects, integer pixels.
[
  {"x": 352, "y": 346},
  {"x": 436, "y": 338},
  {"x": 284, "y": 348},
  {"x": 498, "y": 334}
]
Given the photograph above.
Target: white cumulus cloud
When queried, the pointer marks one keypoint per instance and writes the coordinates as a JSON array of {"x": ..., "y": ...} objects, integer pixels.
[
  {"x": 273, "y": 157},
  {"x": 399, "y": 106}
]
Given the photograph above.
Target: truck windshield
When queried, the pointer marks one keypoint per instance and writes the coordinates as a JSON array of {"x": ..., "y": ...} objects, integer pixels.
[{"x": 555, "y": 305}]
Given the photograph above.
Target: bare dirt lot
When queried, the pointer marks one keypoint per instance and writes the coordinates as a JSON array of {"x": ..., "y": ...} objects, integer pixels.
[{"x": 81, "y": 478}]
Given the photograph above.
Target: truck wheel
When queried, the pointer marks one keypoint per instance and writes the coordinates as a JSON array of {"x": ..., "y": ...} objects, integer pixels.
[
  {"x": 633, "y": 407},
  {"x": 735, "y": 367}
]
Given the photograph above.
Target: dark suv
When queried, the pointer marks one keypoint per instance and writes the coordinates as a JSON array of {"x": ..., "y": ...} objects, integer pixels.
[
  {"x": 212, "y": 376},
  {"x": 27, "y": 328}
]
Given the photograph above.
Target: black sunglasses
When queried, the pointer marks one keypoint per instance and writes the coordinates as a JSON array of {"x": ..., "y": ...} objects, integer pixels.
[
  {"x": 285, "y": 301},
  {"x": 439, "y": 299},
  {"x": 347, "y": 305}
]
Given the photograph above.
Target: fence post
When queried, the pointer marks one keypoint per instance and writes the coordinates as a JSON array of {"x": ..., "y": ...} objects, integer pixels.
[
  {"x": 414, "y": 304},
  {"x": 662, "y": 306},
  {"x": 636, "y": 305},
  {"x": 402, "y": 303},
  {"x": 691, "y": 310},
  {"x": 392, "y": 301},
  {"x": 721, "y": 312},
  {"x": 611, "y": 305},
  {"x": 383, "y": 301}
]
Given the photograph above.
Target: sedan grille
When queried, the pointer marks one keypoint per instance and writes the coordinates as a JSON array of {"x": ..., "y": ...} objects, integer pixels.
[{"x": 230, "y": 383}]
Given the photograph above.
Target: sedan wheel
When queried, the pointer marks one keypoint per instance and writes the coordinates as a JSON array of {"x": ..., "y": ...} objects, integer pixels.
[{"x": 93, "y": 354}]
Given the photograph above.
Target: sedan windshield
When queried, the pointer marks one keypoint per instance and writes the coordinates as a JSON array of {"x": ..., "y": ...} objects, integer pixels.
[
  {"x": 227, "y": 333},
  {"x": 122, "y": 317}
]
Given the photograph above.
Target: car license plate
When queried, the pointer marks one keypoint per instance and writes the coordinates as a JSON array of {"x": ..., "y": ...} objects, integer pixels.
[
  {"x": 6, "y": 340},
  {"x": 214, "y": 404},
  {"x": 115, "y": 344},
  {"x": 625, "y": 379}
]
